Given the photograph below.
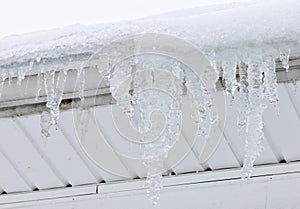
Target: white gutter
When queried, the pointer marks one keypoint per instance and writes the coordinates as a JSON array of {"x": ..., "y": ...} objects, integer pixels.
[{"x": 265, "y": 173}]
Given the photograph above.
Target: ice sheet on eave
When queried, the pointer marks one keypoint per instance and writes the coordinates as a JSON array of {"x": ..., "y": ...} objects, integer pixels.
[{"x": 268, "y": 25}]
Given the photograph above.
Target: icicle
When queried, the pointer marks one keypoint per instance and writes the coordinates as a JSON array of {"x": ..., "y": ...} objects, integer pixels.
[
  {"x": 139, "y": 89},
  {"x": 10, "y": 76},
  {"x": 270, "y": 80},
  {"x": 3, "y": 77},
  {"x": 81, "y": 83},
  {"x": 54, "y": 96},
  {"x": 229, "y": 76},
  {"x": 212, "y": 60},
  {"x": 156, "y": 152},
  {"x": 284, "y": 58},
  {"x": 154, "y": 178},
  {"x": 59, "y": 90},
  {"x": 243, "y": 96},
  {"x": 201, "y": 90},
  {"x": 38, "y": 85},
  {"x": 38, "y": 59},
  {"x": 47, "y": 119},
  {"x": 21, "y": 76},
  {"x": 211, "y": 78},
  {"x": 49, "y": 82},
  {"x": 45, "y": 124},
  {"x": 254, "y": 126}
]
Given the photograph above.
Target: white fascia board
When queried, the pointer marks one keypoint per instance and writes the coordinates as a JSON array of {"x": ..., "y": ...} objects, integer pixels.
[{"x": 20, "y": 99}]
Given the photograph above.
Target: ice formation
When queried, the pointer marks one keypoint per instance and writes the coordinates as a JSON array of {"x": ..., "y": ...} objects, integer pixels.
[
  {"x": 140, "y": 89},
  {"x": 54, "y": 88},
  {"x": 142, "y": 86},
  {"x": 284, "y": 58},
  {"x": 257, "y": 87},
  {"x": 2, "y": 81},
  {"x": 239, "y": 46},
  {"x": 229, "y": 75},
  {"x": 254, "y": 122},
  {"x": 81, "y": 83}
]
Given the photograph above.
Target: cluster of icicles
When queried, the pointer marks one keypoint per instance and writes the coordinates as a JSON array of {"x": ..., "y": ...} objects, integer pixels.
[
  {"x": 140, "y": 89},
  {"x": 257, "y": 87},
  {"x": 54, "y": 89}
]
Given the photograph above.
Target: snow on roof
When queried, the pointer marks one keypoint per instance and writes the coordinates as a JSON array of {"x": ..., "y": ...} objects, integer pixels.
[{"x": 270, "y": 26}]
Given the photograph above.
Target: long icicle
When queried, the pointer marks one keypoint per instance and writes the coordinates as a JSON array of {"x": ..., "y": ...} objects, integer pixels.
[{"x": 254, "y": 125}]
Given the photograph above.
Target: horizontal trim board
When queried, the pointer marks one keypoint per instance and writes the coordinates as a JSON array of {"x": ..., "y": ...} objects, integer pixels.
[
  {"x": 95, "y": 95},
  {"x": 260, "y": 173}
]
